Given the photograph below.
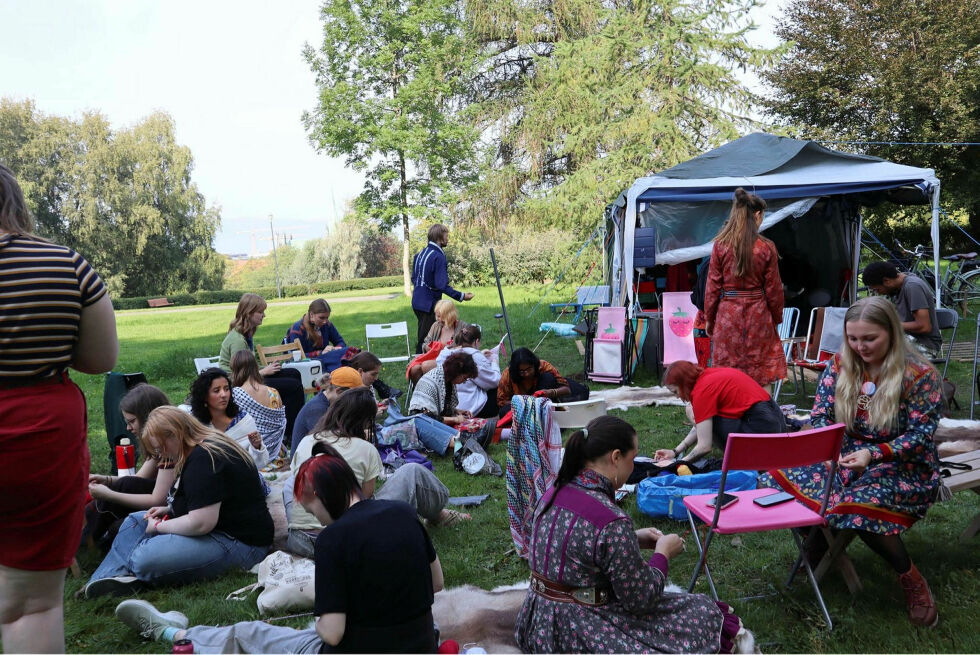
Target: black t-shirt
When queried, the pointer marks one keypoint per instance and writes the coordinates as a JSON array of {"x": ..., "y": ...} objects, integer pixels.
[
  {"x": 234, "y": 483},
  {"x": 373, "y": 565}
]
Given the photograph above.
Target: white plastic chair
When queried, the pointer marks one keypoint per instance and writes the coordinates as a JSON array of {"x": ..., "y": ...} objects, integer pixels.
[
  {"x": 578, "y": 414},
  {"x": 203, "y": 363},
  {"x": 386, "y": 331}
]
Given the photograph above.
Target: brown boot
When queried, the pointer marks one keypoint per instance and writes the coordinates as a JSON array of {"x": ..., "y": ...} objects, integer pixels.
[{"x": 918, "y": 598}]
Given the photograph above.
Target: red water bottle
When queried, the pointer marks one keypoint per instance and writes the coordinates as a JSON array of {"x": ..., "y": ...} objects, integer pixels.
[
  {"x": 125, "y": 458},
  {"x": 183, "y": 646}
]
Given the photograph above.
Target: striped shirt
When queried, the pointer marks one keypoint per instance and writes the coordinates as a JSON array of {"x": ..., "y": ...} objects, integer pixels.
[{"x": 43, "y": 288}]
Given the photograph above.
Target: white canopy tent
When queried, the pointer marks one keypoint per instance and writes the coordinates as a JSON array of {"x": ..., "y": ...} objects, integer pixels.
[{"x": 688, "y": 204}]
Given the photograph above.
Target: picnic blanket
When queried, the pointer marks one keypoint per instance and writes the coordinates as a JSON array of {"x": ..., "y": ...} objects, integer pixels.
[
  {"x": 625, "y": 397},
  {"x": 533, "y": 458}
]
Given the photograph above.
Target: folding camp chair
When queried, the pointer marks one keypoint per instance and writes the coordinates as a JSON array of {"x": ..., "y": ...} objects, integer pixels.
[
  {"x": 584, "y": 297},
  {"x": 787, "y": 330},
  {"x": 824, "y": 337},
  {"x": 608, "y": 346},
  {"x": 768, "y": 451},
  {"x": 386, "y": 331},
  {"x": 204, "y": 363},
  {"x": 947, "y": 319}
]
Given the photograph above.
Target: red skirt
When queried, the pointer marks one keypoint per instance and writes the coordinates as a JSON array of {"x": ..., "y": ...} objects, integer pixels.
[{"x": 45, "y": 462}]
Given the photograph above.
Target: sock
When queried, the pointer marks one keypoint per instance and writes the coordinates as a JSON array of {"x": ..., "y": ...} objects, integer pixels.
[{"x": 168, "y": 634}]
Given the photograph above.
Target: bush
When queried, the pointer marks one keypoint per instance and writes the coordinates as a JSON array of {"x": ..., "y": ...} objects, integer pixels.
[{"x": 289, "y": 291}]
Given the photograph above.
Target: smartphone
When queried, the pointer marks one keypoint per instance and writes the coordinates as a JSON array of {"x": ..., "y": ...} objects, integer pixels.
[
  {"x": 726, "y": 500},
  {"x": 773, "y": 499}
]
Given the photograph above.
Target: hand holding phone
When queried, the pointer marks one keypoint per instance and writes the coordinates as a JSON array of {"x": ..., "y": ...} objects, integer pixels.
[{"x": 726, "y": 500}]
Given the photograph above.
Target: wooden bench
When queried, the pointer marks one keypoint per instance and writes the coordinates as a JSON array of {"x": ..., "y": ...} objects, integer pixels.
[
  {"x": 158, "y": 302},
  {"x": 958, "y": 480}
]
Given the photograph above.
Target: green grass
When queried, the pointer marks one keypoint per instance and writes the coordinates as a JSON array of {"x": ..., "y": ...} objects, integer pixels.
[{"x": 162, "y": 345}]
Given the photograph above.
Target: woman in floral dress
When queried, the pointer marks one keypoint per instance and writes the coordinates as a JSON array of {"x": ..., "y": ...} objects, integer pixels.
[
  {"x": 889, "y": 474},
  {"x": 591, "y": 589},
  {"x": 743, "y": 300}
]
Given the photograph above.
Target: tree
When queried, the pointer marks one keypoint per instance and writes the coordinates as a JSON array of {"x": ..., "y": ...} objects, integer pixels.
[
  {"x": 389, "y": 77},
  {"x": 884, "y": 70},
  {"x": 124, "y": 199},
  {"x": 576, "y": 99}
]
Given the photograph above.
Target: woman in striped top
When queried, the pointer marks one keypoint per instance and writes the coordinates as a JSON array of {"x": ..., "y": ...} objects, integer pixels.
[{"x": 55, "y": 314}]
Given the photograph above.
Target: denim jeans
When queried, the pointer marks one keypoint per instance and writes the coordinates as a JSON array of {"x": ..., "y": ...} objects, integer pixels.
[
  {"x": 434, "y": 435},
  {"x": 172, "y": 558}
]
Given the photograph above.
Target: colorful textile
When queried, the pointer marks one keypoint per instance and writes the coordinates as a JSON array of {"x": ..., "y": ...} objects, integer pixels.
[
  {"x": 271, "y": 421},
  {"x": 582, "y": 539},
  {"x": 533, "y": 458},
  {"x": 903, "y": 479},
  {"x": 430, "y": 354},
  {"x": 744, "y": 313}
]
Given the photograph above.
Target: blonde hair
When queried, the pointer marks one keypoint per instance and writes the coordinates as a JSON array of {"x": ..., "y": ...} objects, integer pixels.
[
  {"x": 740, "y": 231},
  {"x": 445, "y": 311},
  {"x": 168, "y": 422},
  {"x": 884, "y": 404},
  {"x": 248, "y": 305}
]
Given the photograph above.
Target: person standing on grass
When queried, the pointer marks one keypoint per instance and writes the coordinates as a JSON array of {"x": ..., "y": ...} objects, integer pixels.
[
  {"x": 55, "y": 314},
  {"x": 914, "y": 301},
  {"x": 431, "y": 279}
]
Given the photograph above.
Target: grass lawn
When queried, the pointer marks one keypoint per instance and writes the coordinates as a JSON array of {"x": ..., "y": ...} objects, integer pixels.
[{"x": 163, "y": 344}]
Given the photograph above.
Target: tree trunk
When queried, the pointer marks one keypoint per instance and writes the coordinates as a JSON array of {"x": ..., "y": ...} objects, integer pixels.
[{"x": 406, "y": 272}]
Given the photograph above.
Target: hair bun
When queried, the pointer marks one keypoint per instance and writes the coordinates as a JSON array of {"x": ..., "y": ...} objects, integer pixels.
[{"x": 741, "y": 196}]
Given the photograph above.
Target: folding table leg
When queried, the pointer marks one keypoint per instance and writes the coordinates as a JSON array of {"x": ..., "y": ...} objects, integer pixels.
[
  {"x": 836, "y": 554},
  {"x": 813, "y": 579},
  {"x": 703, "y": 559}
]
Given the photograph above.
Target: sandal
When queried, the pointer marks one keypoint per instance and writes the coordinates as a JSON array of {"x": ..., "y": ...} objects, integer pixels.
[{"x": 452, "y": 517}]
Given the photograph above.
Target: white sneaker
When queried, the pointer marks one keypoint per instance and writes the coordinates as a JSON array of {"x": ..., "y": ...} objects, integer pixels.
[
  {"x": 123, "y": 585},
  {"x": 147, "y": 620}
]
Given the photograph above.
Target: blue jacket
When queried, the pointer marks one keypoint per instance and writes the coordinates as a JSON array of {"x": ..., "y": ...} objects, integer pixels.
[{"x": 431, "y": 279}]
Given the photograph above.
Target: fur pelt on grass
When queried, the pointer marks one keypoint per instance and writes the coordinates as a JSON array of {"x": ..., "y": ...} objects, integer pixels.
[
  {"x": 625, "y": 397},
  {"x": 469, "y": 614}
]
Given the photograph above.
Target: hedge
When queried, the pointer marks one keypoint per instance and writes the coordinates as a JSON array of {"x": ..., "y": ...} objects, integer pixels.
[{"x": 289, "y": 291}]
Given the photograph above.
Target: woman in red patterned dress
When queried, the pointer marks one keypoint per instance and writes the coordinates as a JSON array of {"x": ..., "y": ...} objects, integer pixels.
[{"x": 744, "y": 295}]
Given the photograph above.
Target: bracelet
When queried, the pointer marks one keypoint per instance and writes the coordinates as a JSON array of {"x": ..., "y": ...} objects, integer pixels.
[{"x": 676, "y": 453}]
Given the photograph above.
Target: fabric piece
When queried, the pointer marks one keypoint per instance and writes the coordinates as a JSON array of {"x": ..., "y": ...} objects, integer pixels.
[
  {"x": 533, "y": 459},
  {"x": 594, "y": 545},
  {"x": 378, "y": 545},
  {"x": 679, "y": 314},
  {"x": 43, "y": 449},
  {"x": 745, "y": 333},
  {"x": 625, "y": 397},
  {"x": 270, "y": 421},
  {"x": 903, "y": 479}
]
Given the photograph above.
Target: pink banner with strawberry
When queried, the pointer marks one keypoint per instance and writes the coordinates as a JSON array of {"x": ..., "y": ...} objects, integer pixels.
[{"x": 679, "y": 313}]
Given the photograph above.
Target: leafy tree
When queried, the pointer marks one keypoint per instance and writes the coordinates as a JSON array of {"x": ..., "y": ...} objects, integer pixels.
[
  {"x": 884, "y": 70},
  {"x": 389, "y": 78},
  {"x": 578, "y": 98},
  {"x": 124, "y": 199}
]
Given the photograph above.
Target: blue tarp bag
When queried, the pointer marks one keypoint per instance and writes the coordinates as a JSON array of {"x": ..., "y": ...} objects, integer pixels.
[{"x": 664, "y": 494}]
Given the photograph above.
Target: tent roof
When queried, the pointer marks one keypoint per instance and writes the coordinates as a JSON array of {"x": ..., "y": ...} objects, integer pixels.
[{"x": 777, "y": 167}]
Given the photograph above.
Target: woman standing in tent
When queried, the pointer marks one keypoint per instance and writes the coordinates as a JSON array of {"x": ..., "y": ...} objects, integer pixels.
[{"x": 744, "y": 295}]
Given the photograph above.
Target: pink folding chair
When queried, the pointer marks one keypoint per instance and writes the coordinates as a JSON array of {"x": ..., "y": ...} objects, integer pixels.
[{"x": 766, "y": 452}]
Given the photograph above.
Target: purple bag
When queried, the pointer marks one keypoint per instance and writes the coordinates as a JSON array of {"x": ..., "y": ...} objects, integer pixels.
[{"x": 393, "y": 456}]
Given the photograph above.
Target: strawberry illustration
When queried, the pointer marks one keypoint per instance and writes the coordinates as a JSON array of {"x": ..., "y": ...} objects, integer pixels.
[{"x": 681, "y": 323}]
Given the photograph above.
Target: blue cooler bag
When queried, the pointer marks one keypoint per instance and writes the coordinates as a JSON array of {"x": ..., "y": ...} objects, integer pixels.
[{"x": 664, "y": 494}]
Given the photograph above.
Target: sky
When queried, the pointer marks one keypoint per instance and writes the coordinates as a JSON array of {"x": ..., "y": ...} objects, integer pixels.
[{"x": 232, "y": 76}]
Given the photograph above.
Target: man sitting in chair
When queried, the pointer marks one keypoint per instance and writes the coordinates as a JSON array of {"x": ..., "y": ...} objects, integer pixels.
[{"x": 914, "y": 301}]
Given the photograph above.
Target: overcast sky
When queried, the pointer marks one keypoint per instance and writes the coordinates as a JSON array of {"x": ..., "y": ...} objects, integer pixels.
[{"x": 230, "y": 73}]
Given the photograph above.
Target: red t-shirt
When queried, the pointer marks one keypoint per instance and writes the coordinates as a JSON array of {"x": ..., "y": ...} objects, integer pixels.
[{"x": 726, "y": 392}]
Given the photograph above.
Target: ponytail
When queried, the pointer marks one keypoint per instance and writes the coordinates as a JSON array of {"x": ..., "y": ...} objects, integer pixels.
[
  {"x": 603, "y": 434},
  {"x": 740, "y": 231}
]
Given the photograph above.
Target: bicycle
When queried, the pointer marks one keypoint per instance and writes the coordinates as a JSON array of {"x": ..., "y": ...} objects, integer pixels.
[{"x": 960, "y": 281}]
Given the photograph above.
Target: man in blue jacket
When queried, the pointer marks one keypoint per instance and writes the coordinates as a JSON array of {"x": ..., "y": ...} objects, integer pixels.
[{"x": 431, "y": 279}]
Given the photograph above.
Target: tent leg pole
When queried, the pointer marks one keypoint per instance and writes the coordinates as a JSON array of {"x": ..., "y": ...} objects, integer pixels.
[{"x": 503, "y": 305}]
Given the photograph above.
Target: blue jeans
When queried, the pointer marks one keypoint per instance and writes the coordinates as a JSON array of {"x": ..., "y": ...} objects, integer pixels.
[
  {"x": 173, "y": 558},
  {"x": 434, "y": 435}
]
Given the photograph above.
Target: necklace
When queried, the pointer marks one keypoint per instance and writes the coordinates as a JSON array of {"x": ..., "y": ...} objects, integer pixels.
[{"x": 868, "y": 389}]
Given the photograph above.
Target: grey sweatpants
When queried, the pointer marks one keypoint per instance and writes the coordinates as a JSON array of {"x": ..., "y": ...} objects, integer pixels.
[
  {"x": 411, "y": 483},
  {"x": 253, "y": 637}
]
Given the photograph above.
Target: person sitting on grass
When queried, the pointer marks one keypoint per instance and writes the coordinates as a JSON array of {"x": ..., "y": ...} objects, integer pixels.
[
  {"x": 369, "y": 366},
  {"x": 217, "y": 518},
  {"x": 528, "y": 375},
  {"x": 212, "y": 404},
  {"x": 331, "y": 386},
  {"x": 317, "y": 336},
  {"x": 376, "y": 573},
  {"x": 115, "y": 497},
  {"x": 473, "y": 394},
  {"x": 721, "y": 401},
  {"x": 444, "y": 334},
  {"x": 349, "y": 427},
  {"x": 259, "y": 401},
  {"x": 435, "y": 396}
]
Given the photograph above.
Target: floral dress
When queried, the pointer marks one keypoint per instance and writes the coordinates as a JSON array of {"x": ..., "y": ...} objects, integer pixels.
[
  {"x": 745, "y": 313},
  {"x": 582, "y": 539},
  {"x": 902, "y": 480}
]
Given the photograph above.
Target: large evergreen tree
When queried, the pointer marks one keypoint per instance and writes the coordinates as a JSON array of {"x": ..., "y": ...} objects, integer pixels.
[
  {"x": 389, "y": 75},
  {"x": 888, "y": 70}
]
